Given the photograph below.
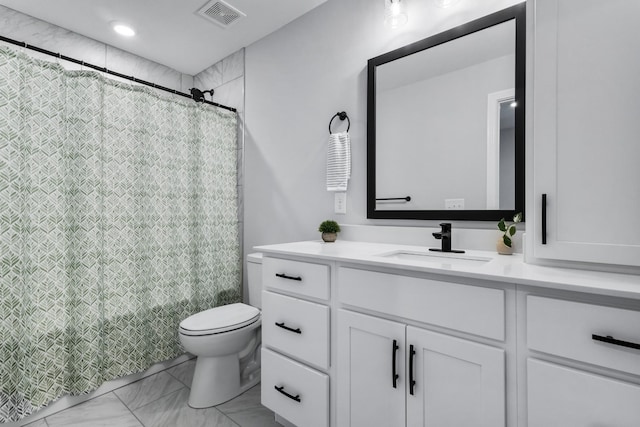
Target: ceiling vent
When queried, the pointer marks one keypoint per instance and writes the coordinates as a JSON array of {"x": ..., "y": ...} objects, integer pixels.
[{"x": 221, "y": 13}]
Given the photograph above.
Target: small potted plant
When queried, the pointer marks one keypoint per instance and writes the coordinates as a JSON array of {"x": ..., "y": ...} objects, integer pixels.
[
  {"x": 329, "y": 230},
  {"x": 504, "y": 244}
]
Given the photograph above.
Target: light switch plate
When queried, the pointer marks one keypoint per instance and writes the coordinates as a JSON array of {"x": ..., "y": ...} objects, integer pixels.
[{"x": 340, "y": 203}]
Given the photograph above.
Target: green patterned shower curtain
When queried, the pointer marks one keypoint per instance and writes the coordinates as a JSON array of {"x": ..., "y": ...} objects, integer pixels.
[{"x": 118, "y": 219}]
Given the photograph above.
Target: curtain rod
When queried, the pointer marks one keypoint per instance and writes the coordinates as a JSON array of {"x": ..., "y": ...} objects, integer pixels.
[{"x": 105, "y": 70}]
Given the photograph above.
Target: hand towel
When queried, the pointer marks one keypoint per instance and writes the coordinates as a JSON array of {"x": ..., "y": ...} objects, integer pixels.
[{"x": 338, "y": 161}]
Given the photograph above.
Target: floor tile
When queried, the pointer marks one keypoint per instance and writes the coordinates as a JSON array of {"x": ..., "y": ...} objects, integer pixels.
[
  {"x": 254, "y": 417},
  {"x": 172, "y": 410},
  {"x": 106, "y": 410},
  {"x": 247, "y": 410},
  {"x": 250, "y": 399},
  {"x": 147, "y": 390},
  {"x": 184, "y": 372},
  {"x": 39, "y": 423}
]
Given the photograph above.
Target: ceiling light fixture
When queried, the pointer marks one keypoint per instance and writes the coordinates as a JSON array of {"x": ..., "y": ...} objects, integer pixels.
[
  {"x": 395, "y": 13},
  {"x": 123, "y": 29},
  {"x": 445, "y": 3}
]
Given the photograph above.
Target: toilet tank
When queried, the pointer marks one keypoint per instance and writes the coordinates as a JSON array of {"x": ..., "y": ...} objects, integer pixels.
[{"x": 254, "y": 279}]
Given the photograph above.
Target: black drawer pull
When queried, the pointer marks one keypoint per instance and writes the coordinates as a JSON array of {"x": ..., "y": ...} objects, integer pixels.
[
  {"x": 394, "y": 374},
  {"x": 284, "y": 276},
  {"x": 611, "y": 340},
  {"x": 283, "y": 326},
  {"x": 290, "y": 396},
  {"x": 544, "y": 219},
  {"x": 412, "y": 382}
]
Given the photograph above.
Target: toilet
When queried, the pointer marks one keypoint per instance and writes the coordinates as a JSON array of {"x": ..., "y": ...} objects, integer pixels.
[{"x": 226, "y": 341}]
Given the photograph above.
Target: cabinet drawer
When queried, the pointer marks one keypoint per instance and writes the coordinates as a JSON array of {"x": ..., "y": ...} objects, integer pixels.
[
  {"x": 472, "y": 309},
  {"x": 560, "y": 396},
  {"x": 308, "y": 401},
  {"x": 296, "y": 327},
  {"x": 297, "y": 277},
  {"x": 565, "y": 328}
]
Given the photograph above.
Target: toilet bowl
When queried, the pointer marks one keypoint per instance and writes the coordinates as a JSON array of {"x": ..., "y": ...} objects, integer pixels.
[{"x": 226, "y": 341}]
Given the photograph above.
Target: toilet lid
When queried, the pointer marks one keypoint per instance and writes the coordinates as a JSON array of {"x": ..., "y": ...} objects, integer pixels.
[{"x": 219, "y": 319}]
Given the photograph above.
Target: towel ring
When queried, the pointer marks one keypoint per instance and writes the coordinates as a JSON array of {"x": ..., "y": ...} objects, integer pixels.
[{"x": 341, "y": 115}]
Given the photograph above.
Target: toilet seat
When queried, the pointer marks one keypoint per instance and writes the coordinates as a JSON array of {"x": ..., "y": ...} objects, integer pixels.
[{"x": 220, "y": 319}]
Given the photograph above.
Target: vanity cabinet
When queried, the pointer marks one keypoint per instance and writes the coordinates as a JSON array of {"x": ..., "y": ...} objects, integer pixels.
[
  {"x": 581, "y": 367},
  {"x": 358, "y": 340},
  {"x": 395, "y": 374},
  {"x": 585, "y": 131},
  {"x": 295, "y": 340}
]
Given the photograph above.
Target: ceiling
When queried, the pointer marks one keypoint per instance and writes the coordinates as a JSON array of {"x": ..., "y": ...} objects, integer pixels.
[{"x": 168, "y": 31}]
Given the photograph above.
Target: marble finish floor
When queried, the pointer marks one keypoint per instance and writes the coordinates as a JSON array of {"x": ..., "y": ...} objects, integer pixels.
[{"x": 160, "y": 400}]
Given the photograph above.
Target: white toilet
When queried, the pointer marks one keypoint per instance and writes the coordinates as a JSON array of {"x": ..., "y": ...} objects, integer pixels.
[{"x": 226, "y": 341}]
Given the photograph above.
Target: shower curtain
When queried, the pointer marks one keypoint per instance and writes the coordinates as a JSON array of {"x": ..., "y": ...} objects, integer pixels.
[{"x": 118, "y": 219}]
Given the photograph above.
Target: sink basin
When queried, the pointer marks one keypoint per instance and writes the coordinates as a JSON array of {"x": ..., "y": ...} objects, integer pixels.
[{"x": 437, "y": 258}]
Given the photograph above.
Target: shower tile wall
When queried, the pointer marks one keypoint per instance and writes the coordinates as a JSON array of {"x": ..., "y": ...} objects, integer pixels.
[{"x": 21, "y": 27}]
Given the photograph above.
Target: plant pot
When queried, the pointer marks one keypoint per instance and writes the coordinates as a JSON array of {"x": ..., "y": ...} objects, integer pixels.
[
  {"x": 503, "y": 249},
  {"x": 329, "y": 237}
]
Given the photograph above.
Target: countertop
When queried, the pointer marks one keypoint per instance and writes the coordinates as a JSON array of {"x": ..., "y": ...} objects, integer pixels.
[{"x": 482, "y": 265}]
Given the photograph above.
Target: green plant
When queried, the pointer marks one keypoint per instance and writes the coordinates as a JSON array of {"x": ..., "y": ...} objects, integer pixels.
[
  {"x": 509, "y": 230},
  {"x": 329, "y": 226}
]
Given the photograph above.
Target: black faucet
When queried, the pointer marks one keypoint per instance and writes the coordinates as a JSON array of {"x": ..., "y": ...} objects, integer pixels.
[{"x": 445, "y": 236}]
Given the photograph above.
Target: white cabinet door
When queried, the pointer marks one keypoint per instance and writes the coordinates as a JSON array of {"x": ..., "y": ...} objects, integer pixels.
[
  {"x": 586, "y": 99},
  {"x": 559, "y": 396},
  {"x": 458, "y": 383},
  {"x": 366, "y": 393}
]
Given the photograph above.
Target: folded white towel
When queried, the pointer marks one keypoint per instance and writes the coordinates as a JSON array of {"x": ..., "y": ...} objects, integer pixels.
[{"x": 338, "y": 161}]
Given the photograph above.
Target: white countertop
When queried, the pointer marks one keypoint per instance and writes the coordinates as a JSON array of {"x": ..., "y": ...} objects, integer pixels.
[{"x": 499, "y": 268}]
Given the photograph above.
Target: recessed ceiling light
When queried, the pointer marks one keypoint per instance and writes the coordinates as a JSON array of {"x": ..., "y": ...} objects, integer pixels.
[
  {"x": 123, "y": 29},
  {"x": 514, "y": 104}
]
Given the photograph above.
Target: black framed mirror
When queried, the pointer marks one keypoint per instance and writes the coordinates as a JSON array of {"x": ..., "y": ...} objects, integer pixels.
[{"x": 445, "y": 124}]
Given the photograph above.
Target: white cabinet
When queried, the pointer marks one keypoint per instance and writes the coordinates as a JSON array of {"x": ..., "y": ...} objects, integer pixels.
[
  {"x": 457, "y": 382},
  {"x": 589, "y": 333},
  {"x": 296, "y": 341},
  {"x": 475, "y": 310},
  {"x": 561, "y": 396},
  {"x": 585, "y": 131},
  {"x": 393, "y": 374},
  {"x": 582, "y": 364},
  {"x": 296, "y": 328},
  {"x": 371, "y": 375},
  {"x": 294, "y": 391}
]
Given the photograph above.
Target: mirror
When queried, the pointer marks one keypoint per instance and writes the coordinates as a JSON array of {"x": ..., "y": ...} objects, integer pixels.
[{"x": 445, "y": 124}]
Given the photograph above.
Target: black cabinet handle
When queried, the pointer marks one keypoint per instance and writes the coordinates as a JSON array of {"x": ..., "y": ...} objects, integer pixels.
[
  {"x": 284, "y": 276},
  {"x": 412, "y": 382},
  {"x": 544, "y": 219},
  {"x": 394, "y": 373},
  {"x": 611, "y": 340},
  {"x": 283, "y": 326},
  {"x": 290, "y": 396}
]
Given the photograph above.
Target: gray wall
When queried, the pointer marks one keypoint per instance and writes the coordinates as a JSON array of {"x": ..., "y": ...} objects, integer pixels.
[{"x": 296, "y": 79}]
